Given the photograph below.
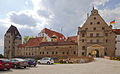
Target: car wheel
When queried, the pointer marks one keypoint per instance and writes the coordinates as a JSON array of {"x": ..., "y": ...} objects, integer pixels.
[
  {"x": 48, "y": 62},
  {"x": 8, "y": 68},
  {"x": 35, "y": 65},
  {"x": 24, "y": 66}
]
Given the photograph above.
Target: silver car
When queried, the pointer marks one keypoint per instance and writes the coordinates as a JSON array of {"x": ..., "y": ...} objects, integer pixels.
[{"x": 46, "y": 60}]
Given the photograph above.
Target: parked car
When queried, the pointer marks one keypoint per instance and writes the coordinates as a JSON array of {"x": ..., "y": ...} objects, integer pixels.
[
  {"x": 31, "y": 62},
  {"x": 46, "y": 60},
  {"x": 18, "y": 63},
  {"x": 5, "y": 64}
]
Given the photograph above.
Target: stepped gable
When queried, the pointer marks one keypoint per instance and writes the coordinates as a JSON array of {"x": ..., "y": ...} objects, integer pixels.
[{"x": 50, "y": 33}]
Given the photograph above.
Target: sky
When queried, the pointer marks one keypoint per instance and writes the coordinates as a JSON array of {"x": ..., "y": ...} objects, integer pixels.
[{"x": 31, "y": 16}]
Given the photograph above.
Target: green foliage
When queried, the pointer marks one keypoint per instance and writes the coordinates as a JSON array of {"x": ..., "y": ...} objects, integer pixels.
[
  {"x": 1, "y": 56},
  {"x": 26, "y": 38}
]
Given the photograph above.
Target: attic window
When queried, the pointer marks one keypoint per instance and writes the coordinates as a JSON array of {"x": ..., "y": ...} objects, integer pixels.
[
  {"x": 91, "y": 23},
  {"x": 94, "y": 18}
]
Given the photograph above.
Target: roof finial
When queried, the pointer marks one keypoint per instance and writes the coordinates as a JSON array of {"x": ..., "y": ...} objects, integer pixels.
[{"x": 93, "y": 7}]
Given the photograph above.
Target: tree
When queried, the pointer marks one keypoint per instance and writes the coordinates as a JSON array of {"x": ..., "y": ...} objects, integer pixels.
[
  {"x": 1, "y": 56},
  {"x": 26, "y": 38}
]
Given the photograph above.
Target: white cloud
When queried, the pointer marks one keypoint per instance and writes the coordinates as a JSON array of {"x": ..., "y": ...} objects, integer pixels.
[
  {"x": 26, "y": 2},
  {"x": 100, "y": 2},
  {"x": 57, "y": 14},
  {"x": 110, "y": 15},
  {"x": 1, "y": 42}
]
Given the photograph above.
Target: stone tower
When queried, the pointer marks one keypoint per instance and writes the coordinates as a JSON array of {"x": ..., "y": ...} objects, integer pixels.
[
  {"x": 12, "y": 38},
  {"x": 96, "y": 36}
]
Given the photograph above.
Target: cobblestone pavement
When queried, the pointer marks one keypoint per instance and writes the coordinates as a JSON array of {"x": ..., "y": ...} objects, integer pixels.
[{"x": 99, "y": 66}]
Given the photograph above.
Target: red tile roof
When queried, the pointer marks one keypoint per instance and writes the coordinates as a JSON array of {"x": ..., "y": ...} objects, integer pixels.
[
  {"x": 32, "y": 42},
  {"x": 57, "y": 43},
  {"x": 50, "y": 33},
  {"x": 117, "y": 31},
  {"x": 72, "y": 38}
]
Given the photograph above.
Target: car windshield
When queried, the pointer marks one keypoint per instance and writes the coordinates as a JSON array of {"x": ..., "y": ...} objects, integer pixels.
[
  {"x": 13, "y": 60},
  {"x": 45, "y": 58}
]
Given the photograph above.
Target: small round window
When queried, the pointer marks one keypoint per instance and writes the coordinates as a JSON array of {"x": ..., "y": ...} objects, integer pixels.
[
  {"x": 91, "y": 23},
  {"x": 94, "y": 18},
  {"x": 98, "y": 22}
]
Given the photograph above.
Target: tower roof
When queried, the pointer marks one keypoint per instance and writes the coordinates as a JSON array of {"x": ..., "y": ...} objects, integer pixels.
[{"x": 13, "y": 30}]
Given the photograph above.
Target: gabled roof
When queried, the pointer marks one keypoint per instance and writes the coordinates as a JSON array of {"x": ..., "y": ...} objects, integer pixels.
[
  {"x": 117, "y": 31},
  {"x": 72, "y": 38},
  {"x": 50, "y": 33},
  {"x": 32, "y": 42},
  {"x": 57, "y": 43},
  {"x": 13, "y": 30}
]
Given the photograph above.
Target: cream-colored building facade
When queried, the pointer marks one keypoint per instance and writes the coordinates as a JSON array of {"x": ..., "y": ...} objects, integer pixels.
[{"x": 96, "y": 35}]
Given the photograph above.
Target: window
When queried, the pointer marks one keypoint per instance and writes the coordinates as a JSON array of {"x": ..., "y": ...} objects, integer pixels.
[
  {"x": 91, "y": 34},
  {"x": 94, "y": 28},
  {"x": 103, "y": 28},
  {"x": 106, "y": 34},
  {"x": 98, "y": 22},
  {"x": 83, "y": 47},
  {"x": 67, "y": 52},
  {"x": 32, "y": 53},
  {"x": 86, "y": 28},
  {"x": 9, "y": 46},
  {"x": 47, "y": 52},
  {"x": 97, "y": 34},
  {"x": 52, "y": 52},
  {"x": 29, "y": 53},
  {"x": 94, "y": 18},
  {"x": 82, "y": 53},
  {"x": 82, "y": 40},
  {"x": 45, "y": 47},
  {"x": 43, "y": 52},
  {"x": 83, "y": 35},
  {"x": 56, "y": 47},
  {"x": 105, "y": 54},
  {"x": 97, "y": 41},
  {"x": 63, "y": 53},
  {"x": 91, "y": 23},
  {"x": 56, "y": 52},
  {"x": 106, "y": 40},
  {"x": 9, "y": 41},
  {"x": 74, "y": 52},
  {"x": 40, "y": 52},
  {"x": 70, "y": 47},
  {"x": 91, "y": 41}
]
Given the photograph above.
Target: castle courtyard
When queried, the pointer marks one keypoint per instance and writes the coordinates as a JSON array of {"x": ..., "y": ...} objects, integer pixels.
[{"x": 99, "y": 66}]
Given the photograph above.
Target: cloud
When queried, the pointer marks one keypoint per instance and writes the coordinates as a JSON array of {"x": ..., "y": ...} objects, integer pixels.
[
  {"x": 110, "y": 15},
  {"x": 22, "y": 18},
  {"x": 57, "y": 14},
  {"x": 1, "y": 42}
]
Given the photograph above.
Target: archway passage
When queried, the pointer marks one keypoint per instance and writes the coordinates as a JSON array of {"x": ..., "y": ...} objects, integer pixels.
[{"x": 97, "y": 53}]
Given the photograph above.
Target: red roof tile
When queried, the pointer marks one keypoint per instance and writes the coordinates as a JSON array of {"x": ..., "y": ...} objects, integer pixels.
[
  {"x": 57, "y": 43},
  {"x": 117, "y": 31},
  {"x": 50, "y": 33},
  {"x": 32, "y": 42},
  {"x": 72, "y": 38}
]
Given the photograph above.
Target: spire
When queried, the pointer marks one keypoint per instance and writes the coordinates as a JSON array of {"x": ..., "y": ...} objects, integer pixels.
[{"x": 93, "y": 7}]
